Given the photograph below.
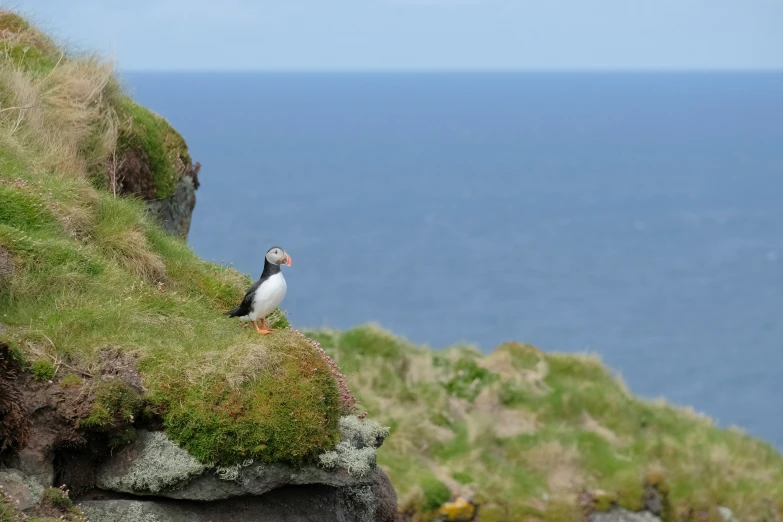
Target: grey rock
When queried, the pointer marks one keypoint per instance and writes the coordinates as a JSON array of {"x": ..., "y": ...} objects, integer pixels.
[
  {"x": 312, "y": 503},
  {"x": 258, "y": 479},
  {"x": 35, "y": 465},
  {"x": 153, "y": 465},
  {"x": 385, "y": 498},
  {"x": 653, "y": 500},
  {"x": 622, "y": 515},
  {"x": 23, "y": 491},
  {"x": 356, "y": 450},
  {"x": 176, "y": 211}
]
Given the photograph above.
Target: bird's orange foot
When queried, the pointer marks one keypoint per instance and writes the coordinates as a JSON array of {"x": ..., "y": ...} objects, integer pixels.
[{"x": 263, "y": 329}]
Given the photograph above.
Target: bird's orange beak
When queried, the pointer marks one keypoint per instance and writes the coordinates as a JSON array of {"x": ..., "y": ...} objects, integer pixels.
[{"x": 287, "y": 260}]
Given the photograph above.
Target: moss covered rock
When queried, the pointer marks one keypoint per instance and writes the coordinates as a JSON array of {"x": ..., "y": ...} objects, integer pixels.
[
  {"x": 153, "y": 156},
  {"x": 154, "y": 465}
]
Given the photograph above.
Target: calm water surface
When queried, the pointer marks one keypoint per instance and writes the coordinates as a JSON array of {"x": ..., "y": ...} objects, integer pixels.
[{"x": 638, "y": 216}]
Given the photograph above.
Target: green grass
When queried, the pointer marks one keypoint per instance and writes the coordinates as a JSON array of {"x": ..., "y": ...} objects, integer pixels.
[
  {"x": 436, "y": 493},
  {"x": 225, "y": 393},
  {"x": 520, "y": 425},
  {"x": 43, "y": 370},
  {"x": 150, "y": 137},
  {"x": 93, "y": 272}
]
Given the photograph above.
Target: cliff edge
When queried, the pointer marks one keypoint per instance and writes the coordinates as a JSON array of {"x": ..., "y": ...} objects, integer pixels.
[{"x": 113, "y": 340}]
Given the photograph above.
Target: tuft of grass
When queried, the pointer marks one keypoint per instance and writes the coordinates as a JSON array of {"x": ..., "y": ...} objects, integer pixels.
[
  {"x": 462, "y": 477},
  {"x": 116, "y": 404},
  {"x": 71, "y": 380},
  {"x": 43, "y": 370},
  {"x": 120, "y": 235},
  {"x": 436, "y": 493},
  {"x": 468, "y": 379},
  {"x": 57, "y": 498}
]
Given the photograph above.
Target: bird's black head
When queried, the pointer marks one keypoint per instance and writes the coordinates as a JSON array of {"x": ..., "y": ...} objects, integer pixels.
[{"x": 278, "y": 256}]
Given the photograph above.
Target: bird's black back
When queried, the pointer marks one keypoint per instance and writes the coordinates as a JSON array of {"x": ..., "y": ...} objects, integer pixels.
[{"x": 246, "y": 305}]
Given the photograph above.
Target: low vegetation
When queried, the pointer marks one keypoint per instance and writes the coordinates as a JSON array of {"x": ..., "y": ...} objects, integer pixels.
[
  {"x": 528, "y": 434},
  {"x": 86, "y": 274},
  {"x": 56, "y": 506}
]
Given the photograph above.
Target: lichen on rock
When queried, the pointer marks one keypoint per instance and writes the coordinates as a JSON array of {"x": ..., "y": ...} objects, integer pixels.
[
  {"x": 355, "y": 452},
  {"x": 152, "y": 464}
]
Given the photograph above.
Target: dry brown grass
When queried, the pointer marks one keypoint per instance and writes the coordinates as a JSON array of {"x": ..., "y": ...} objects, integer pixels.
[
  {"x": 130, "y": 249},
  {"x": 241, "y": 363},
  {"x": 64, "y": 114},
  {"x": 560, "y": 464},
  {"x": 592, "y": 425},
  {"x": 488, "y": 415},
  {"x": 17, "y": 31}
]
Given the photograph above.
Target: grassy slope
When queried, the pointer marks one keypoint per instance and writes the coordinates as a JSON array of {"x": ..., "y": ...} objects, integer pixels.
[
  {"x": 91, "y": 271},
  {"x": 520, "y": 425}
]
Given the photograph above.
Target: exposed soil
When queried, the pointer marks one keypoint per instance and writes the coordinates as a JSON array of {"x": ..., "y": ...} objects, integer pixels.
[
  {"x": 14, "y": 424},
  {"x": 134, "y": 175},
  {"x": 121, "y": 365},
  {"x": 7, "y": 266},
  {"x": 59, "y": 448}
]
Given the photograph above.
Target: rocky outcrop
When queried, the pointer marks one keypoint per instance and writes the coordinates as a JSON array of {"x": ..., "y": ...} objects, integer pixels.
[
  {"x": 314, "y": 502},
  {"x": 174, "y": 212},
  {"x": 153, "y": 479},
  {"x": 345, "y": 486}
]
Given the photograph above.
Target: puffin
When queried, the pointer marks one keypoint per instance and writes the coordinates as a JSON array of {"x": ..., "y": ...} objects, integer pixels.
[{"x": 266, "y": 294}]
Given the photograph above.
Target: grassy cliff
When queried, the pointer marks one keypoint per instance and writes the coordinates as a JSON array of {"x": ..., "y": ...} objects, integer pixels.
[
  {"x": 95, "y": 296},
  {"x": 531, "y": 433}
]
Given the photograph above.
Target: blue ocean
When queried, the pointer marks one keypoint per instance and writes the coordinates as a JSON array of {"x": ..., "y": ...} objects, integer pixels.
[{"x": 637, "y": 216}]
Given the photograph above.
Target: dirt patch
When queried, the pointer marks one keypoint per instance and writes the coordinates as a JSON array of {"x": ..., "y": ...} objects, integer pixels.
[
  {"x": 7, "y": 265},
  {"x": 134, "y": 175},
  {"x": 40, "y": 431},
  {"x": 14, "y": 424},
  {"x": 117, "y": 363}
]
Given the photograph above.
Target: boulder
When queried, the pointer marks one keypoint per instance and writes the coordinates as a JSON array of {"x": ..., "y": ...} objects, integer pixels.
[
  {"x": 287, "y": 504},
  {"x": 23, "y": 491}
]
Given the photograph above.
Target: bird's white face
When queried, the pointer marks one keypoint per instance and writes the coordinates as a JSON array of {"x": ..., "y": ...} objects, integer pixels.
[{"x": 278, "y": 256}]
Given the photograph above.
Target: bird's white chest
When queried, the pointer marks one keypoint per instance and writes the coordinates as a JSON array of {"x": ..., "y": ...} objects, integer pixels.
[{"x": 268, "y": 296}]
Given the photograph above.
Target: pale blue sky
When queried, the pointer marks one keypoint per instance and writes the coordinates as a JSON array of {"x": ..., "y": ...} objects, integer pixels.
[{"x": 420, "y": 34}]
